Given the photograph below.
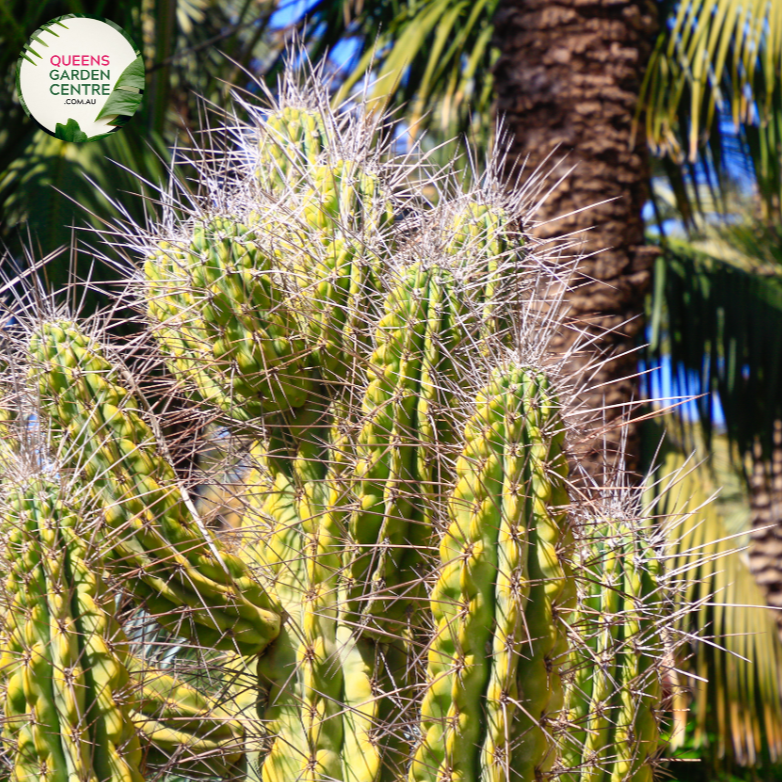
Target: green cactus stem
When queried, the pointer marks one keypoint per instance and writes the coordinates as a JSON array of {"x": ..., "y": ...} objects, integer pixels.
[
  {"x": 596, "y": 677},
  {"x": 616, "y": 691},
  {"x": 176, "y": 568},
  {"x": 484, "y": 581},
  {"x": 398, "y": 442},
  {"x": 9, "y": 440},
  {"x": 180, "y": 723},
  {"x": 485, "y": 234},
  {"x": 340, "y": 221},
  {"x": 636, "y": 731},
  {"x": 221, "y": 321},
  {"x": 66, "y": 696},
  {"x": 552, "y": 593},
  {"x": 590, "y": 564},
  {"x": 291, "y": 140}
]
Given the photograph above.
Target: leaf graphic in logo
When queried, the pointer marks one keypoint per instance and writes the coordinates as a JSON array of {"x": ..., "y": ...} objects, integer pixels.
[
  {"x": 126, "y": 96},
  {"x": 70, "y": 131}
]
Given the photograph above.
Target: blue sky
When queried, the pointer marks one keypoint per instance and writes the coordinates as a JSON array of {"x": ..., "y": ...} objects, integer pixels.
[
  {"x": 669, "y": 388},
  {"x": 292, "y": 11}
]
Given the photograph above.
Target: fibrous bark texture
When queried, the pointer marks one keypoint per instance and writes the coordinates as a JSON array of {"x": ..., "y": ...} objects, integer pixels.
[
  {"x": 765, "y": 551},
  {"x": 567, "y": 83}
]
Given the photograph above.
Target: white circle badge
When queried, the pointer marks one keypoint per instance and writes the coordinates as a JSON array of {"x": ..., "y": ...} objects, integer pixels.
[{"x": 80, "y": 78}]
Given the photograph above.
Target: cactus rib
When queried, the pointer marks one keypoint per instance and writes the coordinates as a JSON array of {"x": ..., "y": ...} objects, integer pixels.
[{"x": 138, "y": 491}]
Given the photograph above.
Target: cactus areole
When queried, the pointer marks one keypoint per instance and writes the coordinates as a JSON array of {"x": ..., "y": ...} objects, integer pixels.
[{"x": 373, "y": 570}]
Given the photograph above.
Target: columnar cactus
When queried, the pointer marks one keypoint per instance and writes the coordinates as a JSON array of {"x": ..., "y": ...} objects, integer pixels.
[
  {"x": 224, "y": 325},
  {"x": 402, "y": 596},
  {"x": 180, "y": 572},
  {"x": 422, "y": 326},
  {"x": 77, "y": 701},
  {"x": 65, "y": 709},
  {"x": 613, "y": 689},
  {"x": 180, "y": 724},
  {"x": 502, "y": 501}
]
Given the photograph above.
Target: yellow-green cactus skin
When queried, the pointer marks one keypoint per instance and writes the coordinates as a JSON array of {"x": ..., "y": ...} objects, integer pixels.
[
  {"x": 416, "y": 338},
  {"x": 176, "y": 568},
  {"x": 590, "y": 693},
  {"x": 291, "y": 140},
  {"x": 315, "y": 719},
  {"x": 402, "y": 586},
  {"x": 180, "y": 723},
  {"x": 330, "y": 258},
  {"x": 636, "y": 732},
  {"x": 552, "y": 593},
  {"x": 319, "y": 707},
  {"x": 482, "y": 596},
  {"x": 222, "y": 322},
  {"x": 582, "y": 682},
  {"x": 615, "y": 692},
  {"x": 9, "y": 439},
  {"x": 66, "y": 709},
  {"x": 486, "y": 234}
]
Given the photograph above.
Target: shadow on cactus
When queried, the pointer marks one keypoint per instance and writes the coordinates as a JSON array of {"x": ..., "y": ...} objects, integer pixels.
[{"x": 410, "y": 587}]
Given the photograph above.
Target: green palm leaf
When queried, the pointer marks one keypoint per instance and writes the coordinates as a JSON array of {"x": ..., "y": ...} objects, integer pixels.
[
  {"x": 721, "y": 327},
  {"x": 718, "y": 60},
  {"x": 56, "y": 184},
  {"x": 433, "y": 57},
  {"x": 735, "y": 652},
  {"x": 48, "y": 185},
  {"x": 712, "y": 52},
  {"x": 714, "y": 59}
]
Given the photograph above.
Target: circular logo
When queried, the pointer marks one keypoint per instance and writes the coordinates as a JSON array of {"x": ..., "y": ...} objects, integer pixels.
[{"x": 80, "y": 77}]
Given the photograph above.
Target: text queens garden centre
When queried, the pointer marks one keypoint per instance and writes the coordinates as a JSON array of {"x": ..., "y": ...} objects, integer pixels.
[
  {"x": 80, "y": 77},
  {"x": 80, "y": 81}
]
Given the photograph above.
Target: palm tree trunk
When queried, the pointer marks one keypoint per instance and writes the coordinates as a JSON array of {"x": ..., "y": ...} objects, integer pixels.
[
  {"x": 765, "y": 550},
  {"x": 567, "y": 84}
]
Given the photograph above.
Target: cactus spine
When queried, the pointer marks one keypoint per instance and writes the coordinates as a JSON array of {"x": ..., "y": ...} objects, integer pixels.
[
  {"x": 66, "y": 686},
  {"x": 410, "y": 367},
  {"x": 182, "y": 574},
  {"x": 182, "y": 724},
  {"x": 483, "y": 586},
  {"x": 614, "y": 694},
  {"x": 397, "y": 600},
  {"x": 222, "y": 322}
]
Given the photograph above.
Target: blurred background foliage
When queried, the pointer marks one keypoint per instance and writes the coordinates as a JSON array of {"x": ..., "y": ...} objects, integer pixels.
[
  {"x": 711, "y": 111},
  {"x": 192, "y": 49}
]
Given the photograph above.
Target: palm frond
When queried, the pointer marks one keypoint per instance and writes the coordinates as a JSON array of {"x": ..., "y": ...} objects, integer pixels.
[
  {"x": 55, "y": 185},
  {"x": 717, "y": 63},
  {"x": 720, "y": 326},
  {"x": 712, "y": 56},
  {"x": 733, "y": 671},
  {"x": 47, "y": 186},
  {"x": 434, "y": 58}
]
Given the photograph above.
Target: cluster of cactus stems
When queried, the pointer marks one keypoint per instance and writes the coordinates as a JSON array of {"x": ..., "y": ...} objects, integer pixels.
[{"x": 408, "y": 590}]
